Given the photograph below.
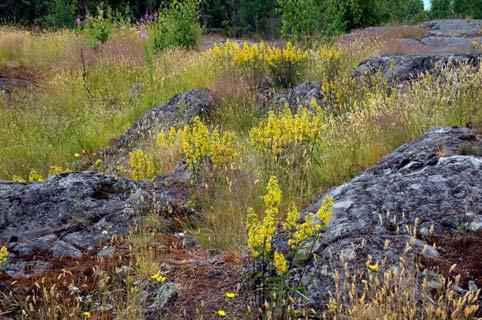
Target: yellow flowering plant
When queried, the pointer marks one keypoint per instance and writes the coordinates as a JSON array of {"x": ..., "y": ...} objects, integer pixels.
[
  {"x": 141, "y": 165},
  {"x": 271, "y": 266},
  {"x": 200, "y": 146},
  {"x": 289, "y": 143},
  {"x": 285, "y": 65},
  {"x": 3, "y": 256}
]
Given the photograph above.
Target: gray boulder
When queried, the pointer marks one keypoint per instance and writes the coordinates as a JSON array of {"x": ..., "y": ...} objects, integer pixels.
[
  {"x": 398, "y": 69},
  {"x": 454, "y": 28},
  {"x": 427, "y": 181},
  {"x": 300, "y": 95},
  {"x": 181, "y": 109},
  {"x": 70, "y": 215}
]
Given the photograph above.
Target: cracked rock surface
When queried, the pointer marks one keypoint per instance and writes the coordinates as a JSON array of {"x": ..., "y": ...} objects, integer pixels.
[
  {"x": 398, "y": 69},
  {"x": 70, "y": 215},
  {"x": 429, "y": 180}
]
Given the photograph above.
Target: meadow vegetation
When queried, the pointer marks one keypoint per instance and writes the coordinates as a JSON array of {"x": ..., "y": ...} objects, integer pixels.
[{"x": 82, "y": 95}]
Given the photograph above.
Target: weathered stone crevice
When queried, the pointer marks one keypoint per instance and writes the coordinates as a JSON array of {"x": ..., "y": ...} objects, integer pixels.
[
  {"x": 70, "y": 215},
  {"x": 442, "y": 192}
]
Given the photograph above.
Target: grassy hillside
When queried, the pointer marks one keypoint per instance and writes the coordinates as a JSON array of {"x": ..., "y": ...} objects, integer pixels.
[{"x": 79, "y": 99}]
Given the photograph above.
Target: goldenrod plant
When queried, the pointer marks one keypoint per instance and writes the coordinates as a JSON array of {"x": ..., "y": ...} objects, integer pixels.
[
  {"x": 141, "y": 166},
  {"x": 289, "y": 140},
  {"x": 3, "y": 256},
  {"x": 270, "y": 278},
  {"x": 286, "y": 65},
  {"x": 200, "y": 147}
]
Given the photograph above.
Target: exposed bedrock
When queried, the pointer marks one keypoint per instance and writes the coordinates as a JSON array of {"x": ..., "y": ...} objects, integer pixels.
[
  {"x": 435, "y": 180},
  {"x": 70, "y": 215}
]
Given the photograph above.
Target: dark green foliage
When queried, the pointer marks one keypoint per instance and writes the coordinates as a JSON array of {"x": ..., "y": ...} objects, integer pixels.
[
  {"x": 468, "y": 8},
  {"x": 441, "y": 9},
  {"x": 402, "y": 10},
  {"x": 295, "y": 19},
  {"x": 300, "y": 19},
  {"x": 215, "y": 13},
  {"x": 343, "y": 15},
  {"x": 256, "y": 16},
  {"x": 61, "y": 13},
  {"x": 177, "y": 26}
]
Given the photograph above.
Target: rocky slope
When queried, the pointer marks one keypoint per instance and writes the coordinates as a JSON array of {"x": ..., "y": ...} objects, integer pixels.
[
  {"x": 434, "y": 182},
  {"x": 434, "y": 46},
  {"x": 70, "y": 215},
  {"x": 181, "y": 109},
  {"x": 398, "y": 69}
]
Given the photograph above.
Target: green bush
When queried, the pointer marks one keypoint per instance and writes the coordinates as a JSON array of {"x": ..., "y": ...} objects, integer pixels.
[
  {"x": 468, "y": 8},
  {"x": 61, "y": 13},
  {"x": 441, "y": 9},
  {"x": 300, "y": 19},
  {"x": 402, "y": 10},
  {"x": 99, "y": 29},
  {"x": 177, "y": 26}
]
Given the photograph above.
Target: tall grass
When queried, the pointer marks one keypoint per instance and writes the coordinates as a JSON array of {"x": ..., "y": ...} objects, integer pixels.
[
  {"x": 77, "y": 103},
  {"x": 76, "y": 109}
]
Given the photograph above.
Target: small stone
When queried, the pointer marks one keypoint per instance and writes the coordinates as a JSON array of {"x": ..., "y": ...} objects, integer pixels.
[
  {"x": 106, "y": 252},
  {"x": 472, "y": 286},
  {"x": 62, "y": 249},
  {"x": 188, "y": 241},
  {"x": 476, "y": 225}
]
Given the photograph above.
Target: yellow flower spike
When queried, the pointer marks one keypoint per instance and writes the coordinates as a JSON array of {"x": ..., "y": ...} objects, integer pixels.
[
  {"x": 221, "y": 313},
  {"x": 291, "y": 218},
  {"x": 87, "y": 314},
  {"x": 372, "y": 267},
  {"x": 285, "y": 131},
  {"x": 280, "y": 263},
  {"x": 325, "y": 213},
  {"x": 77, "y": 155},
  {"x": 3, "y": 255},
  {"x": 159, "y": 277},
  {"x": 272, "y": 199},
  {"x": 230, "y": 295},
  {"x": 141, "y": 165},
  {"x": 304, "y": 231}
]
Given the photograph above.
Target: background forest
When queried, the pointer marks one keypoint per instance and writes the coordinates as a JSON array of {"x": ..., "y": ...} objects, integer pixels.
[{"x": 246, "y": 17}]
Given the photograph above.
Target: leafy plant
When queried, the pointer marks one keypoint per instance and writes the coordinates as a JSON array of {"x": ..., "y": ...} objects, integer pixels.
[
  {"x": 61, "y": 13},
  {"x": 287, "y": 144},
  {"x": 300, "y": 19},
  {"x": 177, "y": 26},
  {"x": 287, "y": 65},
  {"x": 270, "y": 277},
  {"x": 99, "y": 29},
  {"x": 200, "y": 147}
]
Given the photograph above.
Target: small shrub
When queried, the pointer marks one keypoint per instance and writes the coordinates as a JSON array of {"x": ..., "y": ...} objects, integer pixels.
[
  {"x": 177, "y": 26},
  {"x": 285, "y": 65},
  {"x": 300, "y": 19},
  {"x": 99, "y": 29},
  {"x": 287, "y": 143}
]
